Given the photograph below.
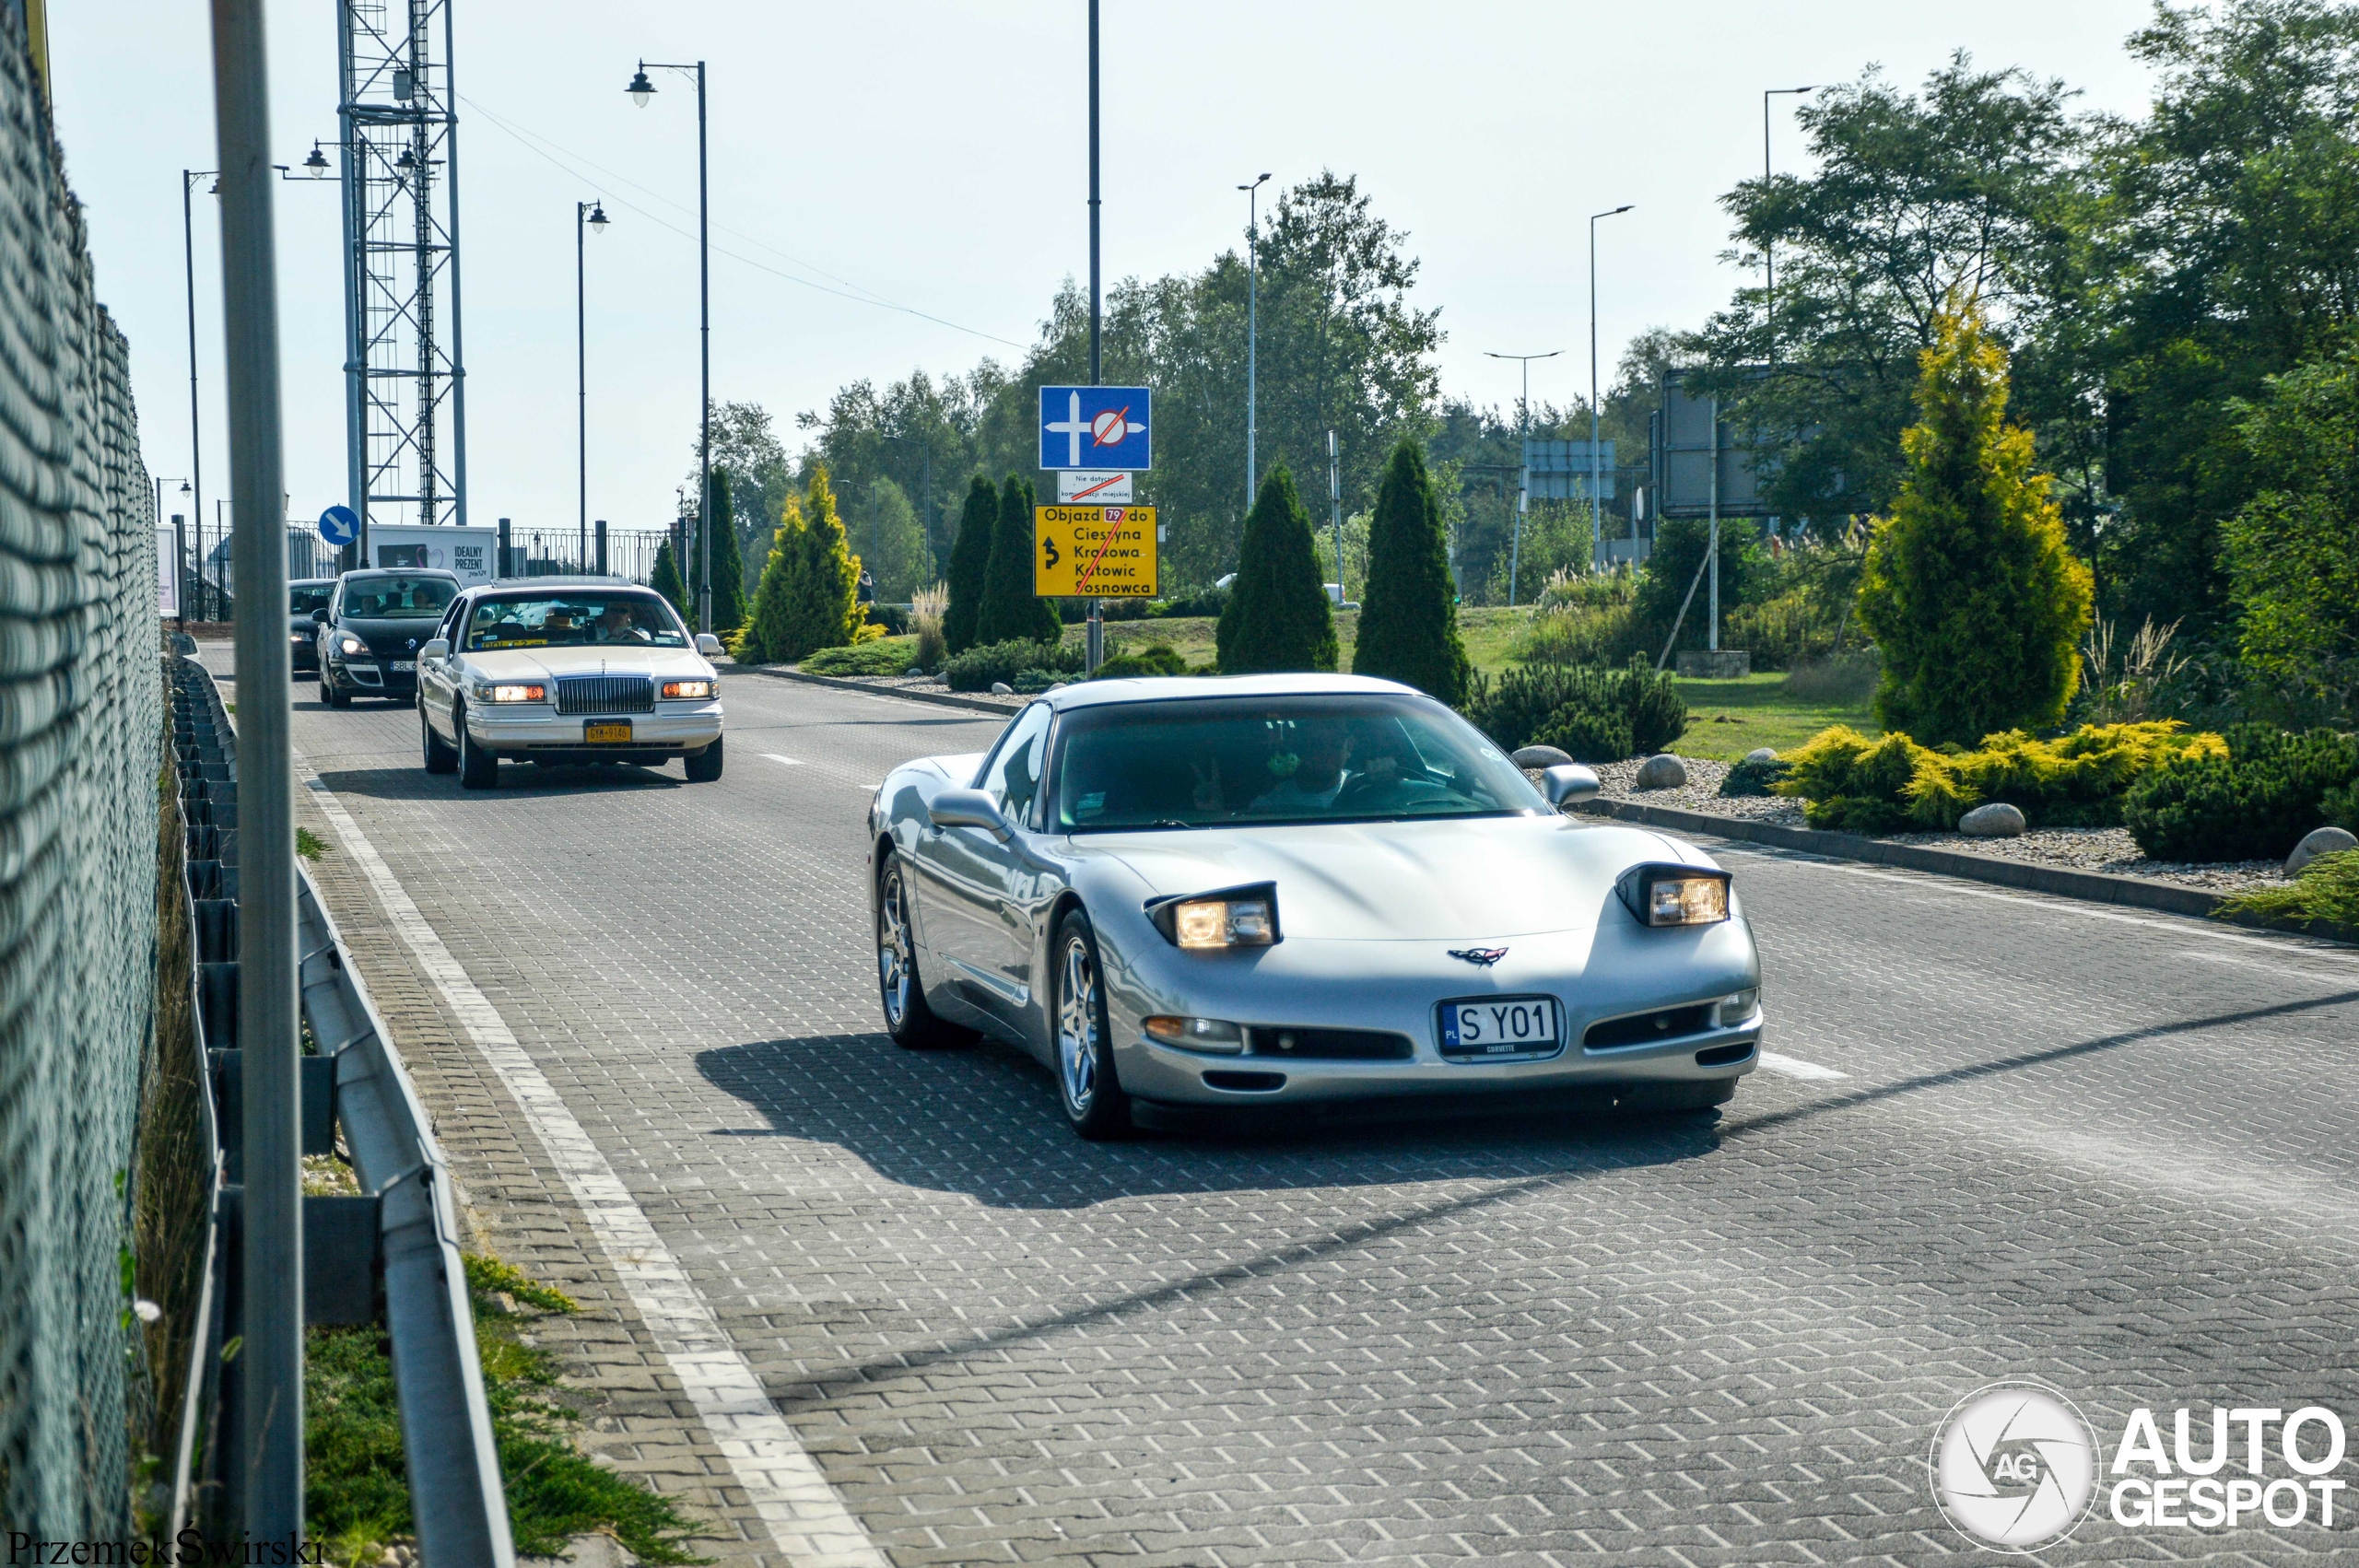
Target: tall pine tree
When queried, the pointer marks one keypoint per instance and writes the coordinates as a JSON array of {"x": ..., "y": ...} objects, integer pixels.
[
  {"x": 1976, "y": 604},
  {"x": 1409, "y": 609},
  {"x": 668, "y": 582},
  {"x": 1277, "y": 616},
  {"x": 971, "y": 557},
  {"x": 765, "y": 627},
  {"x": 1011, "y": 611}
]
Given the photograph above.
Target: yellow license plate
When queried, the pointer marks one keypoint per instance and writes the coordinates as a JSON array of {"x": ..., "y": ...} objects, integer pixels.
[{"x": 606, "y": 734}]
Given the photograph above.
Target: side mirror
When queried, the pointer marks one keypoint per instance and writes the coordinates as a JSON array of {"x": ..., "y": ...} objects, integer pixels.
[
  {"x": 708, "y": 645},
  {"x": 320, "y": 617},
  {"x": 968, "y": 808},
  {"x": 436, "y": 648},
  {"x": 1568, "y": 784}
]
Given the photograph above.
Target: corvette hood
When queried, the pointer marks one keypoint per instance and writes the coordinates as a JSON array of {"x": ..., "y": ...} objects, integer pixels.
[{"x": 1467, "y": 880}]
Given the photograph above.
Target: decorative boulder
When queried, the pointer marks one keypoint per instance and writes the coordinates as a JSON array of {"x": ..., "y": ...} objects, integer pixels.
[
  {"x": 1997, "y": 820},
  {"x": 1661, "y": 771},
  {"x": 1761, "y": 754},
  {"x": 1001, "y": 688},
  {"x": 1540, "y": 756},
  {"x": 914, "y": 669},
  {"x": 2320, "y": 841}
]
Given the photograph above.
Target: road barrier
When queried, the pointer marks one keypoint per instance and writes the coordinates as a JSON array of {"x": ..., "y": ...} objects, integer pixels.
[{"x": 389, "y": 1255}]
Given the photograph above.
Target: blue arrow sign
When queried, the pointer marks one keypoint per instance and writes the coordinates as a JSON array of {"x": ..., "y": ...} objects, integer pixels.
[
  {"x": 339, "y": 526},
  {"x": 1095, "y": 427}
]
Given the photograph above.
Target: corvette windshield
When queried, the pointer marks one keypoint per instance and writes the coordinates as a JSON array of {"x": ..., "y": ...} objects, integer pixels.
[
  {"x": 1225, "y": 762},
  {"x": 562, "y": 620}
]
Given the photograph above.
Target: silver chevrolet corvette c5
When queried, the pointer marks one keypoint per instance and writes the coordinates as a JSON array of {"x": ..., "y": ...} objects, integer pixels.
[{"x": 1299, "y": 891}]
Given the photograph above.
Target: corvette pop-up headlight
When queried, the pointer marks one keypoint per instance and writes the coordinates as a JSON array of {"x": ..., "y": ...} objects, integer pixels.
[
  {"x": 1675, "y": 896},
  {"x": 1225, "y": 917},
  {"x": 1199, "y": 1034}
]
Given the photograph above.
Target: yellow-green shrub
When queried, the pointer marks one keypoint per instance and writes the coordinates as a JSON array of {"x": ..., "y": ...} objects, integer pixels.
[{"x": 1854, "y": 784}]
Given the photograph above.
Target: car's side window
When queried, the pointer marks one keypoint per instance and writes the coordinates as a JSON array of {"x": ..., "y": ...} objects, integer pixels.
[{"x": 1013, "y": 775}]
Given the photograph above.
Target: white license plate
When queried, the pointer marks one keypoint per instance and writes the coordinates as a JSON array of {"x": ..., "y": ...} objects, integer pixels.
[
  {"x": 400, "y": 665},
  {"x": 1498, "y": 1026}
]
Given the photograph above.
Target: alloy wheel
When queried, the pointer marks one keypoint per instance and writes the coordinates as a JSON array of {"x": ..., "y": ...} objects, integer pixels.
[
  {"x": 1077, "y": 1025},
  {"x": 894, "y": 967}
]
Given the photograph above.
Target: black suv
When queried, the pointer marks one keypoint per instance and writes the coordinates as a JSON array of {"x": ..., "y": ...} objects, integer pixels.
[
  {"x": 370, "y": 633},
  {"x": 303, "y": 596}
]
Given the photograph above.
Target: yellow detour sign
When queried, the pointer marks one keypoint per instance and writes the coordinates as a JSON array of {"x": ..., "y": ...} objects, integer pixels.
[{"x": 1093, "y": 552}]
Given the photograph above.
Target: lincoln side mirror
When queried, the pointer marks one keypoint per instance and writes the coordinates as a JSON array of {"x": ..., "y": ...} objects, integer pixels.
[
  {"x": 708, "y": 645},
  {"x": 1568, "y": 784},
  {"x": 436, "y": 648},
  {"x": 968, "y": 808}
]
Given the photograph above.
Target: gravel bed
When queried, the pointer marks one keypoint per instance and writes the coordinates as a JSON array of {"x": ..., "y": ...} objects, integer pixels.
[{"x": 2110, "y": 850}]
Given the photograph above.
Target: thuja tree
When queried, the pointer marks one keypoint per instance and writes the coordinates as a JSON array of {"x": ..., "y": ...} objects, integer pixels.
[
  {"x": 1277, "y": 616},
  {"x": 728, "y": 561},
  {"x": 1974, "y": 601},
  {"x": 809, "y": 594},
  {"x": 1011, "y": 611},
  {"x": 1409, "y": 609},
  {"x": 971, "y": 557}
]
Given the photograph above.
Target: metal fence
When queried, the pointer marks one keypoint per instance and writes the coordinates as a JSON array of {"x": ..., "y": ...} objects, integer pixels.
[
  {"x": 558, "y": 552},
  {"x": 80, "y": 713}
]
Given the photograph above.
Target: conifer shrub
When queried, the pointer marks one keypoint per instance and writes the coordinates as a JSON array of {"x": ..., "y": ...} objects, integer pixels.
[
  {"x": 881, "y": 655},
  {"x": 1755, "y": 778},
  {"x": 809, "y": 594},
  {"x": 975, "y": 670},
  {"x": 1588, "y": 734},
  {"x": 1277, "y": 616},
  {"x": 665, "y": 579},
  {"x": 1542, "y": 704},
  {"x": 971, "y": 555},
  {"x": 1011, "y": 611},
  {"x": 2253, "y": 799},
  {"x": 1142, "y": 658},
  {"x": 1969, "y": 591},
  {"x": 2323, "y": 900},
  {"x": 1408, "y": 608}
]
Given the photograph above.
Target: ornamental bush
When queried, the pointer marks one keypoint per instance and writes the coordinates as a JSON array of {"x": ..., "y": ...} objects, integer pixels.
[
  {"x": 1588, "y": 734},
  {"x": 808, "y": 598},
  {"x": 1277, "y": 616},
  {"x": 1974, "y": 601},
  {"x": 1408, "y": 608},
  {"x": 1852, "y": 784},
  {"x": 2252, "y": 800},
  {"x": 1539, "y": 703},
  {"x": 873, "y": 656},
  {"x": 975, "y": 670},
  {"x": 1142, "y": 658},
  {"x": 1011, "y": 611},
  {"x": 971, "y": 555}
]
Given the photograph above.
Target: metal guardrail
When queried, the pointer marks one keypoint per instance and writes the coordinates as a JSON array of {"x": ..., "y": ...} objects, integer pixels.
[{"x": 389, "y": 1255}]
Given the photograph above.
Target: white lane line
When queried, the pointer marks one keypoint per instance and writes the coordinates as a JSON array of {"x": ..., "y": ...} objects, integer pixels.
[
  {"x": 791, "y": 762},
  {"x": 1795, "y": 1066},
  {"x": 806, "y": 1514}
]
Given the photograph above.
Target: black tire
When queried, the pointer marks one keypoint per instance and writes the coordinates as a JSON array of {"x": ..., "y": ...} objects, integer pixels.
[
  {"x": 479, "y": 770},
  {"x": 704, "y": 766},
  {"x": 335, "y": 695},
  {"x": 909, "y": 1022},
  {"x": 440, "y": 758},
  {"x": 1086, "y": 1085}
]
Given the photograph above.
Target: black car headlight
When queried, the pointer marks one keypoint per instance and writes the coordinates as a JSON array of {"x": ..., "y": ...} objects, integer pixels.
[
  {"x": 1226, "y": 917},
  {"x": 1675, "y": 896},
  {"x": 349, "y": 644}
]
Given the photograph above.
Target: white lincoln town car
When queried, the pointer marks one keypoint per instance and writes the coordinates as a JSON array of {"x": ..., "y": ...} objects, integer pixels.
[{"x": 566, "y": 670}]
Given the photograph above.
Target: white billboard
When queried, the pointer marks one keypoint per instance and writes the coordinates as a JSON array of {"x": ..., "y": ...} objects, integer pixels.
[{"x": 471, "y": 553}]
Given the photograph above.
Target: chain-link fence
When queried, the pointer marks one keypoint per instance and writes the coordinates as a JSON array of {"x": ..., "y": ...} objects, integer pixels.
[{"x": 80, "y": 708}]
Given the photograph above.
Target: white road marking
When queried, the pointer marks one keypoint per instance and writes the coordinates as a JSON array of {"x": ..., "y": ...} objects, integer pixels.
[
  {"x": 791, "y": 762},
  {"x": 1795, "y": 1066},
  {"x": 806, "y": 1517}
]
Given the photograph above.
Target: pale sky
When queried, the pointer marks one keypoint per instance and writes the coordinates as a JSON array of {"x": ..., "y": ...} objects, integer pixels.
[{"x": 935, "y": 154}]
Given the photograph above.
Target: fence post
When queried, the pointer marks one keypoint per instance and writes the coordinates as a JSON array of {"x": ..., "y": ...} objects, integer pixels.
[
  {"x": 601, "y": 547},
  {"x": 506, "y": 567}
]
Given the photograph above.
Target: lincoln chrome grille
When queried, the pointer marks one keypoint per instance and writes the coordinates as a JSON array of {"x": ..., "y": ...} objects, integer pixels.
[{"x": 605, "y": 693}]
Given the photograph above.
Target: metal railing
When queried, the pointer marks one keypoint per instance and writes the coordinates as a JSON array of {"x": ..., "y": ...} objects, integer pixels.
[{"x": 389, "y": 1255}]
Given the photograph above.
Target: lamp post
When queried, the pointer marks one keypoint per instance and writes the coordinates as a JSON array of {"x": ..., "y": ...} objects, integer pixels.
[
  {"x": 1252, "y": 324},
  {"x": 589, "y": 216},
  {"x": 1523, "y": 481},
  {"x": 1596, "y": 501},
  {"x": 1769, "y": 247},
  {"x": 640, "y": 90}
]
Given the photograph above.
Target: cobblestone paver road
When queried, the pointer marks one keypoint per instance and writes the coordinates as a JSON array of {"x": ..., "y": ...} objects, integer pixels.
[{"x": 2112, "y": 1151}]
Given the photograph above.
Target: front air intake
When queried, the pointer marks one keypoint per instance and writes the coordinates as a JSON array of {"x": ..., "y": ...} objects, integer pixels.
[{"x": 605, "y": 693}]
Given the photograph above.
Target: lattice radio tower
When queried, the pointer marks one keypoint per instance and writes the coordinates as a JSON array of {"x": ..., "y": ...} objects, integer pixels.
[{"x": 405, "y": 397}]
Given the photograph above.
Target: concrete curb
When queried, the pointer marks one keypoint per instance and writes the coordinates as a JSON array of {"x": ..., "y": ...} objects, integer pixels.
[
  {"x": 941, "y": 699},
  {"x": 2063, "y": 883}
]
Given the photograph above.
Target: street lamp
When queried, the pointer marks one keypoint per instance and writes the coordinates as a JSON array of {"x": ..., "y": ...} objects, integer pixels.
[
  {"x": 590, "y": 215},
  {"x": 1523, "y": 484},
  {"x": 1768, "y": 246},
  {"x": 642, "y": 91},
  {"x": 1252, "y": 324},
  {"x": 1596, "y": 501}
]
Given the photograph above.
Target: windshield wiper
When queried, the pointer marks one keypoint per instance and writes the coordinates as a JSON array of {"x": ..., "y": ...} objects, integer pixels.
[{"x": 1173, "y": 822}]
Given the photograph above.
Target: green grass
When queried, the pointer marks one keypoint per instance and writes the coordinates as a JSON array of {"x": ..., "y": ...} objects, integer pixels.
[
  {"x": 2323, "y": 899},
  {"x": 1728, "y": 719},
  {"x": 356, "y": 1492}
]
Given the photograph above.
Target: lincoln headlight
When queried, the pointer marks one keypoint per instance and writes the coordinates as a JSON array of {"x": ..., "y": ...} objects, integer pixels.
[
  {"x": 1675, "y": 896},
  {"x": 1227, "y": 918}
]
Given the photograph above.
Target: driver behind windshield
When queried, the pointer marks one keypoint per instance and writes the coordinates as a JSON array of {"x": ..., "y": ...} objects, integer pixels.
[
  {"x": 1311, "y": 766},
  {"x": 618, "y": 624}
]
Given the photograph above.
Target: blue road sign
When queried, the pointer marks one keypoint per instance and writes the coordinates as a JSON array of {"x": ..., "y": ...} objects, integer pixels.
[
  {"x": 339, "y": 526},
  {"x": 1095, "y": 427}
]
